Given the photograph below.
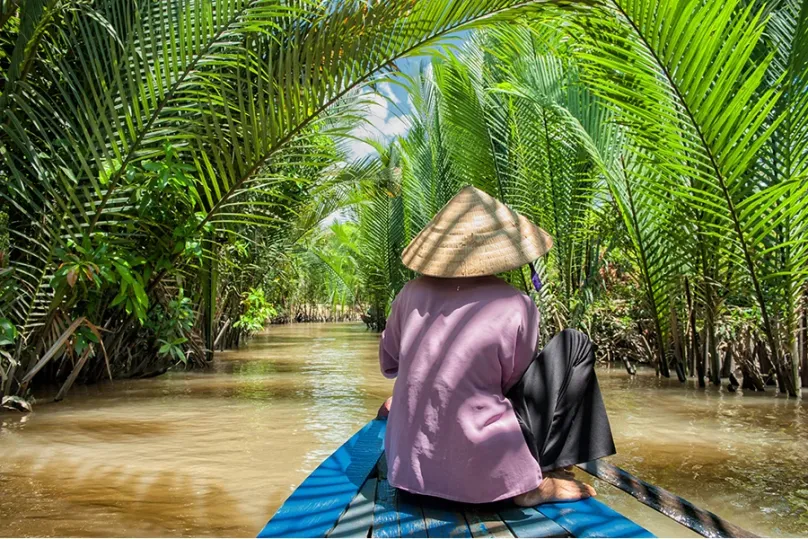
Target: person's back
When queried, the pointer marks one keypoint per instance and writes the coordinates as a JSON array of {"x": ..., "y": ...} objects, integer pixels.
[
  {"x": 456, "y": 345},
  {"x": 462, "y": 344}
]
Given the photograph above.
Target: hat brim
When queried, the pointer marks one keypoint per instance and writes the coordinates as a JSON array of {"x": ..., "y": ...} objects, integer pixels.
[{"x": 475, "y": 235}]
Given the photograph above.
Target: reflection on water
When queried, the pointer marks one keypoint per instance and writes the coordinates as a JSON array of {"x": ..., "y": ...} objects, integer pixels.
[{"x": 215, "y": 453}]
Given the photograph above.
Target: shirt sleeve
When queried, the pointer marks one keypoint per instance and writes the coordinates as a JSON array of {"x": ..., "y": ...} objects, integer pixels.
[
  {"x": 524, "y": 346},
  {"x": 390, "y": 341}
]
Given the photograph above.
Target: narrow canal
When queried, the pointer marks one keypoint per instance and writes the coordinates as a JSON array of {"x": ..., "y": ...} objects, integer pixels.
[{"x": 215, "y": 453}]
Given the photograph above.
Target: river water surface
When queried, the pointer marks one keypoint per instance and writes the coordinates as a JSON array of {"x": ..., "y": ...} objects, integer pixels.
[{"x": 216, "y": 453}]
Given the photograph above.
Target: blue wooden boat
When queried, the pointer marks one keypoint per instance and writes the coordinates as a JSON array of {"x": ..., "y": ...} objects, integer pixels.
[{"x": 348, "y": 496}]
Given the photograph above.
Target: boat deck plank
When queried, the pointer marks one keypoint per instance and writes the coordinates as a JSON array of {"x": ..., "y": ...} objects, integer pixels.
[
  {"x": 486, "y": 524},
  {"x": 316, "y": 505},
  {"x": 358, "y": 518},
  {"x": 348, "y": 496},
  {"x": 385, "y": 514},
  {"x": 442, "y": 520},
  {"x": 591, "y": 518},
  {"x": 527, "y": 522},
  {"x": 411, "y": 516}
]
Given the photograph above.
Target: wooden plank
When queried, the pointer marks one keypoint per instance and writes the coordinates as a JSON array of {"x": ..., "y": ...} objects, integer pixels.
[
  {"x": 591, "y": 518},
  {"x": 316, "y": 505},
  {"x": 443, "y": 520},
  {"x": 527, "y": 522},
  {"x": 385, "y": 514},
  {"x": 410, "y": 515},
  {"x": 358, "y": 518},
  {"x": 486, "y": 524},
  {"x": 682, "y": 511}
]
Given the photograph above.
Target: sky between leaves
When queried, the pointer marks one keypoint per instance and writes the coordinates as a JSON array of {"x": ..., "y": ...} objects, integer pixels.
[
  {"x": 388, "y": 108},
  {"x": 387, "y": 117}
]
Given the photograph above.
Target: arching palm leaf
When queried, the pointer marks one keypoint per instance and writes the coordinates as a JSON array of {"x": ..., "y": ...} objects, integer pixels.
[
  {"x": 240, "y": 88},
  {"x": 693, "y": 99}
]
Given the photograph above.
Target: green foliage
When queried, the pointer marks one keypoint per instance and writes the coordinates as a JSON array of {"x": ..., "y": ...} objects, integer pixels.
[
  {"x": 661, "y": 143},
  {"x": 506, "y": 115},
  {"x": 171, "y": 323},
  {"x": 8, "y": 338},
  {"x": 8, "y": 333},
  {"x": 139, "y": 139},
  {"x": 86, "y": 273},
  {"x": 257, "y": 311},
  {"x": 700, "y": 93},
  {"x": 163, "y": 159}
]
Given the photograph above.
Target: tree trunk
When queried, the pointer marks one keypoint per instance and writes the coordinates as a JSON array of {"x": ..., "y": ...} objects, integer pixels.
[
  {"x": 715, "y": 360},
  {"x": 656, "y": 352},
  {"x": 791, "y": 358},
  {"x": 804, "y": 341},
  {"x": 794, "y": 372},
  {"x": 692, "y": 345},
  {"x": 726, "y": 367},
  {"x": 766, "y": 369},
  {"x": 752, "y": 379},
  {"x": 701, "y": 349},
  {"x": 733, "y": 384},
  {"x": 662, "y": 356},
  {"x": 209, "y": 278},
  {"x": 782, "y": 383},
  {"x": 678, "y": 349},
  {"x": 630, "y": 369}
]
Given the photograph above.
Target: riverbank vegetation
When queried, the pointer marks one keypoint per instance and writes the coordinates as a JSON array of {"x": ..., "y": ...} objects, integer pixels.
[{"x": 169, "y": 167}]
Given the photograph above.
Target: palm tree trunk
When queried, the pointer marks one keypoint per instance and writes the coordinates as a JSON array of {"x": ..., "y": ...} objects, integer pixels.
[
  {"x": 791, "y": 359},
  {"x": 726, "y": 366},
  {"x": 710, "y": 348},
  {"x": 701, "y": 366},
  {"x": 766, "y": 367},
  {"x": 678, "y": 349},
  {"x": 715, "y": 359},
  {"x": 692, "y": 344},
  {"x": 794, "y": 381},
  {"x": 209, "y": 296},
  {"x": 804, "y": 339}
]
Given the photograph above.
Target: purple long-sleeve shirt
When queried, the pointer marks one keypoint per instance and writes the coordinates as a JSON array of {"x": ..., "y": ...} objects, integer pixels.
[{"x": 456, "y": 346}]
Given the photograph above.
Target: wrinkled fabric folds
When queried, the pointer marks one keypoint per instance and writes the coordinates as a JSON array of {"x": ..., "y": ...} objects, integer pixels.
[
  {"x": 559, "y": 405},
  {"x": 455, "y": 347}
]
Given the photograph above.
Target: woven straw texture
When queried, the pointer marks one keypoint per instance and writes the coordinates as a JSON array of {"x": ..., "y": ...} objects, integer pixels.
[{"x": 473, "y": 235}]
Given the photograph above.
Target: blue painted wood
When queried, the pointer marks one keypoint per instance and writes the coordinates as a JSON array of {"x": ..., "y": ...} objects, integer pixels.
[
  {"x": 316, "y": 505},
  {"x": 591, "y": 518},
  {"x": 703, "y": 522},
  {"x": 339, "y": 490},
  {"x": 527, "y": 522},
  {"x": 358, "y": 518},
  {"x": 385, "y": 514},
  {"x": 486, "y": 524},
  {"x": 442, "y": 521},
  {"x": 410, "y": 515}
]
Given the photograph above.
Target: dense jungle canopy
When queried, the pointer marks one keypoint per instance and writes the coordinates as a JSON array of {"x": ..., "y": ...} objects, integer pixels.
[{"x": 175, "y": 176}]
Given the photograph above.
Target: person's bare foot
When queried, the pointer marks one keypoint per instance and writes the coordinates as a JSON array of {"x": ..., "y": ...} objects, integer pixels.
[
  {"x": 384, "y": 409},
  {"x": 555, "y": 489}
]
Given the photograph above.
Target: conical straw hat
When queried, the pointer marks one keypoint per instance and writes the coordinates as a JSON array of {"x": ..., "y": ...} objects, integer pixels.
[{"x": 475, "y": 234}]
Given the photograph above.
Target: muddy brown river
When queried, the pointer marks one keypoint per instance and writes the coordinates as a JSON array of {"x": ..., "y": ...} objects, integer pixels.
[{"x": 215, "y": 453}]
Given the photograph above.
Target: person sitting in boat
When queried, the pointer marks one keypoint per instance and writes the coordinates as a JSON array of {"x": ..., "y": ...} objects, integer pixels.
[{"x": 476, "y": 414}]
